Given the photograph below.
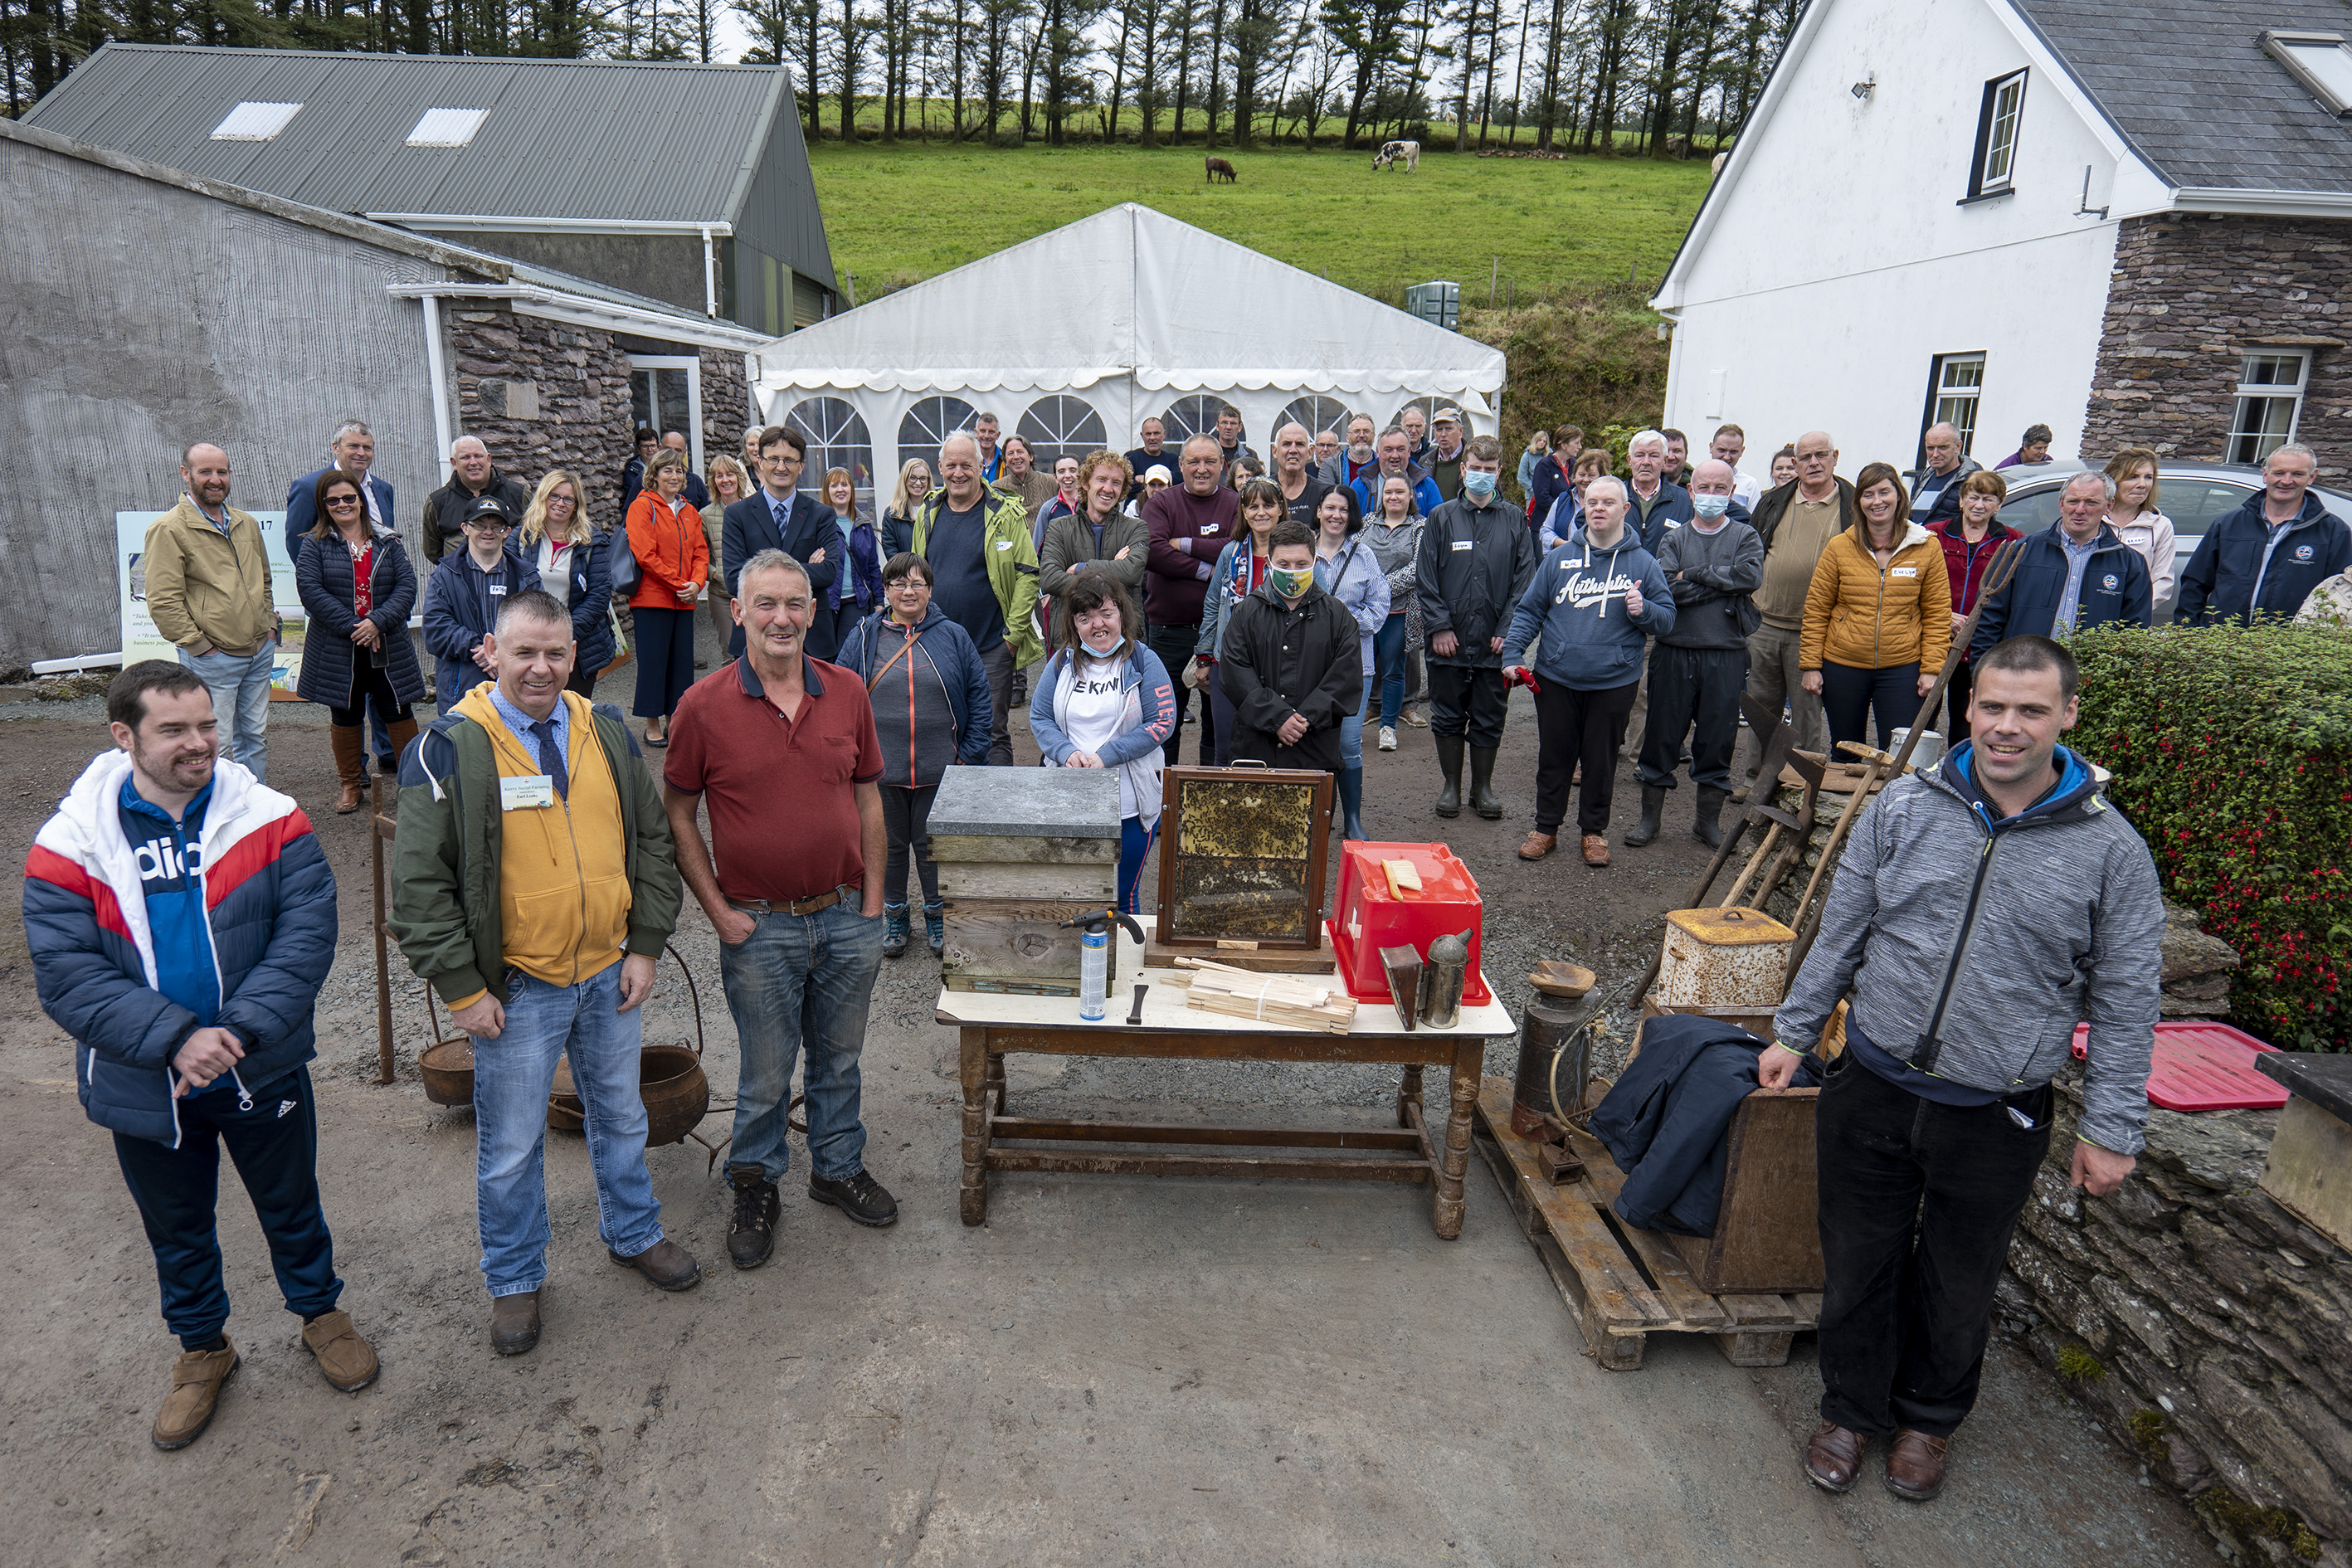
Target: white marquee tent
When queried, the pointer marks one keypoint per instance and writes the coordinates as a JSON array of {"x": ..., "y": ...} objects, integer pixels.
[{"x": 1073, "y": 339}]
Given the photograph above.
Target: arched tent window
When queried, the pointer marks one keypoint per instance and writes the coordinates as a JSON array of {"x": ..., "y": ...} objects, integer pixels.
[
  {"x": 930, "y": 422},
  {"x": 1195, "y": 416},
  {"x": 1061, "y": 426},
  {"x": 1318, "y": 414},
  {"x": 836, "y": 439}
]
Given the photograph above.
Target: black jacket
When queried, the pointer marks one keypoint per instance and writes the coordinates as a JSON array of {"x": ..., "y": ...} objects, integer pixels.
[
  {"x": 1947, "y": 500},
  {"x": 2114, "y": 589},
  {"x": 750, "y": 527},
  {"x": 1668, "y": 1122},
  {"x": 1719, "y": 573},
  {"x": 1283, "y": 658},
  {"x": 1474, "y": 565},
  {"x": 1773, "y": 505},
  {"x": 2220, "y": 579},
  {"x": 443, "y": 526},
  {"x": 323, "y": 579}
]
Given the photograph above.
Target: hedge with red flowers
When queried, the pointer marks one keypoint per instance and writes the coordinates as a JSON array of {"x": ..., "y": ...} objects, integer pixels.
[{"x": 2232, "y": 751}]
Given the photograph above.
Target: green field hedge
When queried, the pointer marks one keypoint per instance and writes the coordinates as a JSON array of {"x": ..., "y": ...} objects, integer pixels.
[{"x": 2231, "y": 749}]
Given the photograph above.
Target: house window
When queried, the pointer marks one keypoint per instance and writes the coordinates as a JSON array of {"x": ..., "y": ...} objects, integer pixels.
[
  {"x": 2270, "y": 400},
  {"x": 1997, "y": 124},
  {"x": 1954, "y": 384},
  {"x": 2320, "y": 61}
]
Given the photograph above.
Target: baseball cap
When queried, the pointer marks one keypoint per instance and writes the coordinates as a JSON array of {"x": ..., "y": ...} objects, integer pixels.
[
  {"x": 492, "y": 507},
  {"x": 1448, "y": 416},
  {"x": 1159, "y": 471}
]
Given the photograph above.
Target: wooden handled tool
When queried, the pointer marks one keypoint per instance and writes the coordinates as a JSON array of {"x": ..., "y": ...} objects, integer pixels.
[
  {"x": 1876, "y": 764},
  {"x": 1997, "y": 573}
]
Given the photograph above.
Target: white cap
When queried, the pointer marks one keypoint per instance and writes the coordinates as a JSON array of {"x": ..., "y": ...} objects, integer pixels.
[{"x": 1159, "y": 471}]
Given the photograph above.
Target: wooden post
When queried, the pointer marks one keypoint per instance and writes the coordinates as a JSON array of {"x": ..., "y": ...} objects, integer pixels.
[
  {"x": 382, "y": 971},
  {"x": 972, "y": 1044}
]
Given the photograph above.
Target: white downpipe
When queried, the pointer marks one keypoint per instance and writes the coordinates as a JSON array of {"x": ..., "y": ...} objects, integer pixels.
[
  {"x": 709, "y": 276},
  {"x": 443, "y": 436}
]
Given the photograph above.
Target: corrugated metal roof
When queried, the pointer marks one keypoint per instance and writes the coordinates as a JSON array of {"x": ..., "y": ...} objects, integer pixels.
[{"x": 569, "y": 139}]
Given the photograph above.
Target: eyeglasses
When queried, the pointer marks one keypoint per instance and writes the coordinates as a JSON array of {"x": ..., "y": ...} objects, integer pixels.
[{"x": 340, "y": 503}]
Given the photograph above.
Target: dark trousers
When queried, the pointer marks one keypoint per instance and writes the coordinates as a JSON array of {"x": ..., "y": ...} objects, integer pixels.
[
  {"x": 1956, "y": 704},
  {"x": 1467, "y": 700},
  {"x": 907, "y": 815},
  {"x": 370, "y": 688},
  {"x": 275, "y": 1146},
  {"x": 665, "y": 661},
  {"x": 1174, "y": 647},
  {"x": 1224, "y": 723},
  {"x": 1694, "y": 691},
  {"x": 998, "y": 662},
  {"x": 1917, "y": 1201},
  {"x": 1852, "y": 698},
  {"x": 1574, "y": 727}
]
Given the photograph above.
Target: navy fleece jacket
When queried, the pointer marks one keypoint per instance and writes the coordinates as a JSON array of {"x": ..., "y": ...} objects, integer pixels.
[{"x": 1578, "y": 602}]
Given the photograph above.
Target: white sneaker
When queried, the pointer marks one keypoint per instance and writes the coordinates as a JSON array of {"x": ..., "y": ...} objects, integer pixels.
[{"x": 1388, "y": 739}]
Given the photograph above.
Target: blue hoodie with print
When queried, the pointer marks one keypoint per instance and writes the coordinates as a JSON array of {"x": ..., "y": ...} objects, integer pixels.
[{"x": 1577, "y": 601}]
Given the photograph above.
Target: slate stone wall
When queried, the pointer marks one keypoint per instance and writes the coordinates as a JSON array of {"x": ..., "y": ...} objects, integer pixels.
[{"x": 2188, "y": 296}]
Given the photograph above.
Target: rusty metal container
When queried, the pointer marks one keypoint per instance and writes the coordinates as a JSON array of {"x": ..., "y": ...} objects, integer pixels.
[
  {"x": 1722, "y": 958},
  {"x": 447, "y": 1069}
]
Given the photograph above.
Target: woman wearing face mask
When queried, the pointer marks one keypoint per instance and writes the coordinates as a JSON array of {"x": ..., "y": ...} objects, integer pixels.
[
  {"x": 1969, "y": 541},
  {"x": 899, "y": 523},
  {"x": 1347, "y": 568},
  {"x": 1878, "y": 617},
  {"x": 1240, "y": 571},
  {"x": 1104, "y": 700},
  {"x": 1394, "y": 535},
  {"x": 858, "y": 590}
]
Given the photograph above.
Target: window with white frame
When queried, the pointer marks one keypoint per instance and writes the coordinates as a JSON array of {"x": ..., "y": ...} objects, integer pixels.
[
  {"x": 2269, "y": 401},
  {"x": 1953, "y": 388},
  {"x": 1992, "y": 171}
]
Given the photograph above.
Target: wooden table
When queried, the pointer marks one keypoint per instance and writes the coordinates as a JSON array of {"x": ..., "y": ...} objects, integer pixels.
[{"x": 992, "y": 1024}]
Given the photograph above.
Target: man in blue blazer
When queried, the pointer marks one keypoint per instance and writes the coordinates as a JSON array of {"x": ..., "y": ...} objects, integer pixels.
[
  {"x": 354, "y": 450},
  {"x": 776, "y": 517}
]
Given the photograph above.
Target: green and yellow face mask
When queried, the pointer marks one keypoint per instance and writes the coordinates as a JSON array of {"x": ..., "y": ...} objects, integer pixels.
[{"x": 1288, "y": 583}]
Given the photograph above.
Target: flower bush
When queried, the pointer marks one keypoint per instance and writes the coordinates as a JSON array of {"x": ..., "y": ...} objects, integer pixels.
[{"x": 2232, "y": 751}]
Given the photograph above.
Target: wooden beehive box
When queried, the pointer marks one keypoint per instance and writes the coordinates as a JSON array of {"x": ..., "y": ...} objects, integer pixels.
[{"x": 1019, "y": 851}]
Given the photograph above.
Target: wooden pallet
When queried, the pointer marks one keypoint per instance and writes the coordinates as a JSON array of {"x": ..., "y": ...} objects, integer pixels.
[{"x": 1622, "y": 1283}]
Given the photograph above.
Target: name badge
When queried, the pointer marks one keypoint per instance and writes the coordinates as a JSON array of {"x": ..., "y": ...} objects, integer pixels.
[
  {"x": 1005, "y": 544},
  {"x": 497, "y": 590},
  {"x": 1464, "y": 543},
  {"x": 525, "y": 793},
  {"x": 1907, "y": 571},
  {"x": 1209, "y": 528}
]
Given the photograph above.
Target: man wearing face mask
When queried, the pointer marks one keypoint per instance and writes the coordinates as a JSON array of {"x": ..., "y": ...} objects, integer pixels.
[
  {"x": 1698, "y": 665},
  {"x": 1475, "y": 559},
  {"x": 1291, "y": 664}
]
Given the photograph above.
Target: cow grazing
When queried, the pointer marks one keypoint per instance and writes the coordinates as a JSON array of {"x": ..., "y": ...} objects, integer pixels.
[
  {"x": 1392, "y": 151},
  {"x": 1219, "y": 166}
]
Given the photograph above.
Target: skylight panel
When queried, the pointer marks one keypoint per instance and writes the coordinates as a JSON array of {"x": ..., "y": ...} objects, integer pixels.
[
  {"x": 447, "y": 127},
  {"x": 2319, "y": 61},
  {"x": 252, "y": 121}
]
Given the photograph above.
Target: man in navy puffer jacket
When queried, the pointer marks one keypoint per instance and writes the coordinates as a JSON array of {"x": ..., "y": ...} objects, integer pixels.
[{"x": 180, "y": 918}]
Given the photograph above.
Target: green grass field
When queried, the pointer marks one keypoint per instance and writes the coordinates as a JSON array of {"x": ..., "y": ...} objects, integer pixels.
[{"x": 897, "y": 215}]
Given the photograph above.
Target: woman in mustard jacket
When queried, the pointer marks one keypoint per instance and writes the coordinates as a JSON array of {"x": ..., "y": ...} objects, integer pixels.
[
  {"x": 673, "y": 565},
  {"x": 1878, "y": 617}
]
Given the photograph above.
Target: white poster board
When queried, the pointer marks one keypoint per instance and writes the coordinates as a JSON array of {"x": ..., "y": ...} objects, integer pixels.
[{"x": 140, "y": 637}]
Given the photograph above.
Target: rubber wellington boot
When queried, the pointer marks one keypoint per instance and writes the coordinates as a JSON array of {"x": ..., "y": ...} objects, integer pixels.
[
  {"x": 1653, "y": 805},
  {"x": 1352, "y": 802},
  {"x": 1483, "y": 798},
  {"x": 1449, "y": 763},
  {"x": 1710, "y": 807}
]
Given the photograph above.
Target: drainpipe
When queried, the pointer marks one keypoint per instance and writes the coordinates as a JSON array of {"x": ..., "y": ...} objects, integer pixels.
[
  {"x": 709, "y": 276},
  {"x": 442, "y": 434}
]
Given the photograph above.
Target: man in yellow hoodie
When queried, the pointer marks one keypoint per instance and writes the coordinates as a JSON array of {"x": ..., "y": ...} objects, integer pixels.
[{"x": 533, "y": 888}]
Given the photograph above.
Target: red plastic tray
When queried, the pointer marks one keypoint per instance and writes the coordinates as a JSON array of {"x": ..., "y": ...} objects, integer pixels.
[{"x": 2203, "y": 1066}]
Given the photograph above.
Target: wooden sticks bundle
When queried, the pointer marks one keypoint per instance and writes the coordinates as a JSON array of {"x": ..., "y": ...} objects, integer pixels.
[{"x": 1291, "y": 999}]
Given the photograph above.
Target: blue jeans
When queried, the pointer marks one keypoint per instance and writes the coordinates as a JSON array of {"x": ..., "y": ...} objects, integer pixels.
[
  {"x": 511, "y": 1076},
  {"x": 801, "y": 980},
  {"x": 1351, "y": 731},
  {"x": 1135, "y": 839},
  {"x": 1388, "y": 664},
  {"x": 240, "y": 689}
]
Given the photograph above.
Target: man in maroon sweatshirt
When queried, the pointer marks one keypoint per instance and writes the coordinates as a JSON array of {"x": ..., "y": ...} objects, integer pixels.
[{"x": 1189, "y": 524}]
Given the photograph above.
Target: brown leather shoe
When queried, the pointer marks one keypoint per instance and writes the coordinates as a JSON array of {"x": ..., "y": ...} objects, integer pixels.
[
  {"x": 666, "y": 1262},
  {"x": 1915, "y": 1465},
  {"x": 196, "y": 1380},
  {"x": 1596, "y": 849},
  {"x": 1539, "y": 845},
  {"x": 346, "y": 1360},
  {"x": 514, "y": 1322},
  {"x": 1833, "y": 1458}
]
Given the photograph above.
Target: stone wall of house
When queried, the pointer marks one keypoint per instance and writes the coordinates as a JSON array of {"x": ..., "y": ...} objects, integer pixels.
[
  {"x": 725, "y": 405},
  {"x": 2189, "y": 296},
  {"x": 544, "y": 395}
]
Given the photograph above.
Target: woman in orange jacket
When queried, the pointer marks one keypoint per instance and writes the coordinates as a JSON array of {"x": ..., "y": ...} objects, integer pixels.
[
  {"x": 1878, "y": 617},
  {"x": 673, "y": 566}
]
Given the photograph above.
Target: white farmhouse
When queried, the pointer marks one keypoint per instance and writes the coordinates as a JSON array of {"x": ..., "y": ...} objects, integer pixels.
[{"x": 2130, "y": 223}]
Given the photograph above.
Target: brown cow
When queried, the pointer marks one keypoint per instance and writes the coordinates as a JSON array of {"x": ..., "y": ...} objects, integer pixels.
[{"x": 1219, "y": 166}]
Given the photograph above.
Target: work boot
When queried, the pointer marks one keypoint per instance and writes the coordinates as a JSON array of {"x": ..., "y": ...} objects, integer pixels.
[
  {"x": 1915, "y": 1465},
  {"x": 1483, "y": 798},
  {"x": 1833, "y": 1458},
  {"x": 1653, "y": 803},
  {"x": 1538, "y": 844},
  {"x": 1596, "y": 849},
  {"x": 751, "y": 1236},
  {"x": 1449, "y": 764},
  {"x": 196, "y": 1380},
  {"x": 860, "y": 1197},
  {"x": 346, "y": 1360},
  {"x": 666, "y": 1262},
  {"x": 514, "y": 1322},
  {"x": 1352, "y": 802},
  {"x": 1710, "y": 807},
  {"x": 935, "y": 927},
  {"x": 349, "y": 744},
  {"x": 894, "y": 930}
]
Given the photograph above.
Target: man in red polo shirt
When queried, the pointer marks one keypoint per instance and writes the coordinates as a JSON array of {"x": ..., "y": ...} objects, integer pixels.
[{"x": 783, "y": 747}]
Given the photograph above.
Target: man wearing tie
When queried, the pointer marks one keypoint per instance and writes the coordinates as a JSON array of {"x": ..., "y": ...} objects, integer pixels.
[
  {"x": 776, "y": 517},
  {"x": 354, "y": 450}
]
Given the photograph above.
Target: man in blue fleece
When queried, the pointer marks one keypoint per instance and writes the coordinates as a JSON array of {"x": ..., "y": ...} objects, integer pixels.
[{"x": 1595, "y": 600}]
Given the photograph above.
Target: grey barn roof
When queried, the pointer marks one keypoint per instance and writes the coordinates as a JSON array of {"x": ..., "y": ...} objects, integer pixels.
[
  {"x": 625, "y": 141},
  {"x": 2187, "y": 82}
]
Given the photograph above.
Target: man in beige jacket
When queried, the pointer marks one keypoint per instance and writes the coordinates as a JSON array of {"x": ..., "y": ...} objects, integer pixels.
[{"x": 208, "y": 591}]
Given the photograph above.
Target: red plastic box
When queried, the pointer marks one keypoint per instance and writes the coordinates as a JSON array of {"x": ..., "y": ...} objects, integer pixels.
[
  {"x": 1368, "y": 920},
  {"x": 2203, "y": 1066}
]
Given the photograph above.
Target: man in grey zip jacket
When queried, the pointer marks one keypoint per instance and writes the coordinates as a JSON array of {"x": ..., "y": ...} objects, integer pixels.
[{"x": 1984, "y": 907}]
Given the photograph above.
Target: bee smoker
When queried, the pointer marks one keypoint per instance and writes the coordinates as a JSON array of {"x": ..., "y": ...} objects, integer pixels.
[{"x": 1555, "y": 1068}]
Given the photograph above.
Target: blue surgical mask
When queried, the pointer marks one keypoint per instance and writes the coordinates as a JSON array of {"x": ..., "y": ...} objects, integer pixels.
[
  {"x": 1710, "y": 506},
  {"x": 1479, "y": 484}
]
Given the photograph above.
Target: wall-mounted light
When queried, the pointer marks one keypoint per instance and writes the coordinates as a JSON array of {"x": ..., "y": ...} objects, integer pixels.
[{"x": 1865, "y": 87}]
